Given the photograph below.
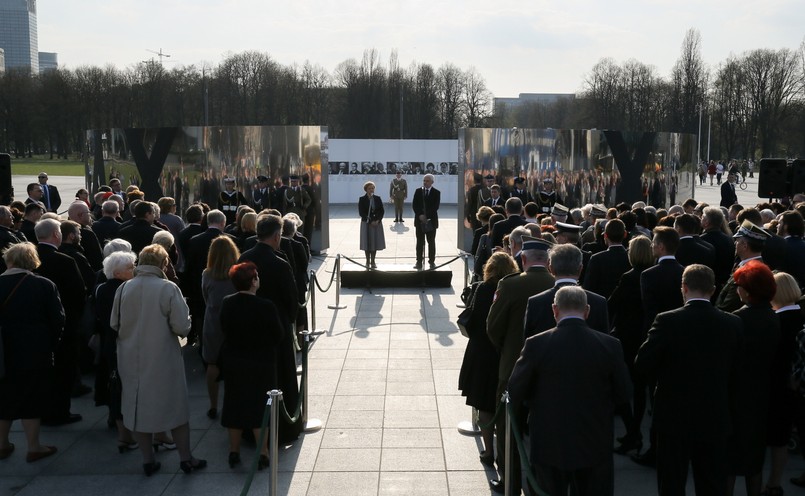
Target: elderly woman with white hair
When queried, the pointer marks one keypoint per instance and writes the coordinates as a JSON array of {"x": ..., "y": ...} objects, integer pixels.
[
  {"x": 149, "y": 315},
  {"x": 165, "y": 240}
]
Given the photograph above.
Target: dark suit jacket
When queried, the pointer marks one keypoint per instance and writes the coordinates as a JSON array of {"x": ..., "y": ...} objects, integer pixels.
[
  {"x": 694, "y": 251},
  {"x": 276, "y": 280},
  {"x": 661, "y": 289},
  {"x": 88, "y": 274},
  {"x": 92, "y": 248},
  {"x": 626, "y": 312},
  {"x": 539, "y": 312},
  {"x": 27, "y": 228},
  {"x": 63, "y": 271},
  {"x": 504, "y": 227},
  {"x": 693, "y": 353},
  {"x": 140, "y": 233},
  {"x": 795, "y": 259},
  {"x": 55, "y": 198},
  {"x": 364, "y": 211},
  {"x": 8, "y": 238},
  {"x": 490, "y": 202},
  {"x": 183, "y": 241},
  {"x": 605, "y": 269},
  {"x": 106, "y": 228},
  {"x": 724, "y": 248},
  {"x": 429, "y": 207},
  {"x": 728, "y": 196},
  {"x": 572, "y": 378},
  {"x": 774, "y": 252},
  {"x": 261, "y": 200}
]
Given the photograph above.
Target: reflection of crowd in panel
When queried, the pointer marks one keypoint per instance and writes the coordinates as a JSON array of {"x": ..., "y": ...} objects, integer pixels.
[
  {"x": 703, "y": 302},
  {"x": 219, "y": 266}
]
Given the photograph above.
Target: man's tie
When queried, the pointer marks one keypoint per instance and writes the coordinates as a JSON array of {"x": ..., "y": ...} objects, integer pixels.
[{"x": 47, "y": 196}]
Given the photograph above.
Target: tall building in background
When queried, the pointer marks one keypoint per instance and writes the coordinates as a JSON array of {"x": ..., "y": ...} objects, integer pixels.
[
  {"x": 18, "y": 34},
  {"x": 47, "y": 61},
  {"x": 2, "y": 61}
]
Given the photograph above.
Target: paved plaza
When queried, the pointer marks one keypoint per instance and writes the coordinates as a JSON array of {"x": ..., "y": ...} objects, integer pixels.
[{"x": 383, "y": 381}]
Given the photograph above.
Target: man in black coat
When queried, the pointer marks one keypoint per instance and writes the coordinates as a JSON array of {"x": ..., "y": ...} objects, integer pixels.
[
  {"x": 750, "y": 241},
  {"x": 262, "y": 194},
  {"x": 605, "y": 269},
  {"x": 691, "y": 248},
  {"x": 792, "y": 229},
  {"x": 194, "y": 215},
  {"x": 107, "y": 227},
  {"x": 78, "y": 212},
  {"x": 140, "y": 233},
  {"x": 519, "y": 191},
  {"x": 728, "y": 195},
  {"x": 426, "y": 211},
  {"x": 514, "y": 211},
  {"x": 692, "y": 353},
  {"x": 565, "y": 265},
  {"x": 277, "y": 284},
  {"x": 63, "y": 272},
  {"x": 712, "y": 222},
  {"x": 7, "y": 236},
  {"x": 571, "y": 414},
  {"x": 33, "y": 212}
]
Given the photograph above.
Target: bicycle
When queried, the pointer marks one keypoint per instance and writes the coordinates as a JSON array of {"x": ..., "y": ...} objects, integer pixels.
[{"x": 742, "y": 182}]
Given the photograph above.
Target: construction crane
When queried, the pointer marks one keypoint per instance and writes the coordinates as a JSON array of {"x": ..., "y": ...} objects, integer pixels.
[{"x": 160, "y": 54}]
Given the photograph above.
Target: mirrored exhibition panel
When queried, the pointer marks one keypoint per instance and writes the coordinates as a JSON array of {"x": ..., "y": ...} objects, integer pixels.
[
  {"x": 586, "y": 166},
  {"x": 190, "y": 163}
]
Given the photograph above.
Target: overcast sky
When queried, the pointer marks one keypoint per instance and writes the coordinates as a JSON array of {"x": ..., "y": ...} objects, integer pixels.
[{"x": 519, "y": 47}]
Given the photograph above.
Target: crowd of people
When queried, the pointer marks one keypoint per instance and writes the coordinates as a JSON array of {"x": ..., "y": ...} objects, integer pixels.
[
  {"x": 594, "y": 314},
  {"x": 120, "y": 286}
]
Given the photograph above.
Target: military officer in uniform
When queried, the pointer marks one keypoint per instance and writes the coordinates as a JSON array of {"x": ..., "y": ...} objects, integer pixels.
[
  {"x": 519, "y": 190},
  {"x": 559, "y": 214},
  {"x": 749, "y": 242},
  {"x": 398, "y": 193},
  {"x": 296, "y": 199},
  {"x": 229, "y": 200},
  {"x": 504, "y": 325},
  {"x": 262, "y": 194},
  {"x": 473, "y": 202},
  {"x": 547, "y": 196}
]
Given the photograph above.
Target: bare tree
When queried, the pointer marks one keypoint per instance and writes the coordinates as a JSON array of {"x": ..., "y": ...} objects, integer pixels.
[
  {"x": 477, "y": 98},
  {"x": 451, "y": 107},
  {"x": 689, "y": 79}
]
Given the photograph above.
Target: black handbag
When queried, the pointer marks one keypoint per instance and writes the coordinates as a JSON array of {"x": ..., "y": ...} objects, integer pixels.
[
  {"x": 428, "y": 226},
  {"x": 463, "y": 321}
]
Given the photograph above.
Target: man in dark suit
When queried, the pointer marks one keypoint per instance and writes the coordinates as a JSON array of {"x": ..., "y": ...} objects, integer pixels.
[
  {"x": 78, "y": 212},
  {"x": 792, "y": 229},
  {"x": 495, "y": 197},
  {"x": 660, "y": 291},
  {"x": 34, "y": 191},
  {"x": 33, "y": 212},
  {"x": 426, "y": 210},
  {"x": 519, "y": 191},
  {"x": 107, "y": 227},
  {"x": 194, "y": 215},
  {"x": 605, "y": 269},
  {"x": 50, "y": 194},
  {"x": 473, "y": 202},
  {"x": 63, "y": 272},
  {"x": 692, "y": 353},
  {"x": 728, "y": 195},
  {"x": 691, "y": 248},
  {"x": 514, "y": 210},
  {"x": 712, "y": 222},
  {"x": 504, "y": 325},
  {"x": 140, "y": 233},
  {"x": 571, "y": 414},
  {"x": 565, "y": 265}
]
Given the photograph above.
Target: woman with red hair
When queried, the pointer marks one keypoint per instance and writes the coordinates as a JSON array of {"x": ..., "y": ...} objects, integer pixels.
[{"x": 761, "y": 333}]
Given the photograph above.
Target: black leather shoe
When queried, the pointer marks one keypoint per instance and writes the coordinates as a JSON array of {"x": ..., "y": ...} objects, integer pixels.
[
  {"x": 628, "y": 444},
  {"x": 418, "y": 266},
  {"x": 647, "y": 459},
  {"x": 431, "y": 265},
  {"x": 497, "y": 486}
]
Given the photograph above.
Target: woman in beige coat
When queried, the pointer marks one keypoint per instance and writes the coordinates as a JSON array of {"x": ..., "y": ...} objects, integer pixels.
[{"x": 149, "y": 315}]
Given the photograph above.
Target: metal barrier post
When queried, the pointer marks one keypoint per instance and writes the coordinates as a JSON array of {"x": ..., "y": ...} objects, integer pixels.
[
  {"x": 338, "y": 305},
  {"x": 507, "y": 456},
  {"x": 309, "y": 425},
  {"x": 274, "y": 398},
  {"x": 312, "y": 289},
  {"x": 465, "y": 257},
  {"x": 470, "y": 427}
]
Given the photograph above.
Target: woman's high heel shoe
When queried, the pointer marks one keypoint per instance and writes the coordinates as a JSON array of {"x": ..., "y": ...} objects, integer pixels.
[
  {"x": 234, "y": 459},
  {"x": 192, "y": 464},
  {"x": 164, "y": 445},
  {"x": 125, "y": 446},
  {"x": 150, "y": 468},
  {"x": 262, "y": 462}
]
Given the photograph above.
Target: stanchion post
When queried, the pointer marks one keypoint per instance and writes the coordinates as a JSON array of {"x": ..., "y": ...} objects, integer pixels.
[
  {"x": 507, "y": 455},
  {"x": 338, "y": 305},
  {"x": 312, "y": 289},
  {"x": 309, "y": 425},
  {"x": 275, "y": 396},
  {"x": 465, "y": 257},
  {"x": 470, "y": 427}
]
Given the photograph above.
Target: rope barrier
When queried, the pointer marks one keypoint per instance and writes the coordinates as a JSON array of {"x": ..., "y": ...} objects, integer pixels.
[
  {"x": 376, "y": 270},
  {"x": 329, "y": 285},
  {"x": 494, "y": 418},
  {"x": 253, "y": 468},
  {"x": 524, "y": 462}
]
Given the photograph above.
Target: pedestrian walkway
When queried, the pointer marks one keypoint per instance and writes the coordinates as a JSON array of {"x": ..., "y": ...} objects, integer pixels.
[{"x": 383, "y": 381}]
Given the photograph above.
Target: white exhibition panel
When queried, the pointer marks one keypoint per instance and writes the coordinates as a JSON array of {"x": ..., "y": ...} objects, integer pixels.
[{"x": 347, "y": 188}]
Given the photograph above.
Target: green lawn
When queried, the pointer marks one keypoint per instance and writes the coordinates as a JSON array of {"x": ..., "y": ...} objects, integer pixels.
[{"x": 35, "y": 165}]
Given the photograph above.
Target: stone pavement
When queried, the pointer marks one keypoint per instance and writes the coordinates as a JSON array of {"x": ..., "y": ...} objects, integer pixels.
[{"x": 383, "y": 380}]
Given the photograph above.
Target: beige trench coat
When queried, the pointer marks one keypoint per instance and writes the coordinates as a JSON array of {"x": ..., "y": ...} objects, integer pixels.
[{"x": 149, "y": 314}]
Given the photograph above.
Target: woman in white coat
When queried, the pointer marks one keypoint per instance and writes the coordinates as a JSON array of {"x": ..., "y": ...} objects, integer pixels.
[{"x": 149, "y": 315}]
